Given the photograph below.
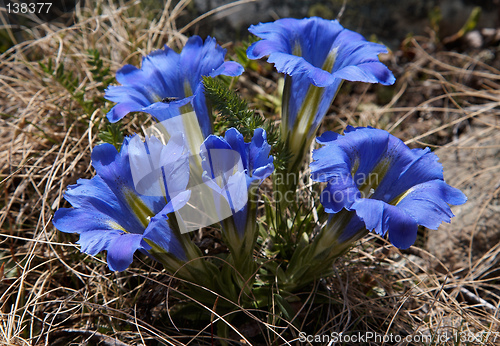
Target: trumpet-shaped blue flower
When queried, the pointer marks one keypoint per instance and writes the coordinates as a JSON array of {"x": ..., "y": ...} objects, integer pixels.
[
  {"x": 232, "y": 168},
  {"x": 168, "y": 81},
  {"x": 391, "y": 187},
  {"x": 109, "y": 213},
  {"x": 316, "y": 55}
]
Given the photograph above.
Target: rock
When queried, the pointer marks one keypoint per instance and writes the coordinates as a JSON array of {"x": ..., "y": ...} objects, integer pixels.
[
  {"x": 388, "y": 20},
  {"x": 456, "y": 12},
  {"x": 472, "y": 164},
  {"x": 491, "y": 35},
  {"x": 474, "y": 39}
]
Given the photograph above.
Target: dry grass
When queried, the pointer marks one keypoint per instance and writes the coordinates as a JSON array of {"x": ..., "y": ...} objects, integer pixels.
[{"x": 53, "y": 295}]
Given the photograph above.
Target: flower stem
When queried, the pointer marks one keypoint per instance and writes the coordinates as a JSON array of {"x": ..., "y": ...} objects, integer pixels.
[{"x": 316, "y": 260}]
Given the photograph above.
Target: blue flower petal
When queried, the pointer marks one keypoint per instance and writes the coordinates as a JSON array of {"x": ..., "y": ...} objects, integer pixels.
[
  {"x": 219, "y": 159},
  {"x": 176, "y": 203},
  {"x": 260, "y": 164},
  {"x": 292, "y": 65},
  {"x": 302, "y": 46},
  {"x": 166, "y": 110},
  {"x": 382, "y": 217},
  {"x": 365, "y": 149},
  {"x": 237, "y": 143},
  {"x": 91, "y": 192},
  {"x": 153, "y": 162},
  {"x": 108, "y": 212},
  {"x": 391, "y": 187},
  {"x": 95, "y": 207},
  {"x": 229, "y": 68},
  {"x": 339, "y": 193},
  {"x": 160, "y": 74},
  {"x": 370, "y": 72},
  {"x": 231, "y": 166},
  {"x": 428, "y": 203},
  {"x": 121, "y": 250},
  {"x": 312, "y": 38},
  {"x": 160, "y": 233},
  {"x": 114, "y": 169},
  {"x": 327, "y": 137},
  {"x": 236, "y": 192},
  {"x": 198, "y": 59},
  {"x": 78, "y": 220},
  {"x": 317, "y": 55},
  {"x": 301, "y": 104},
  {"x": 168, "y": 80},
  {"x": 330, "y": 162},
  {"x": 93, "y": 242},
  {"x": 254, "y": 156},
  {"x": 351, "y": 231},
  {"x": 129, "y": 100}
]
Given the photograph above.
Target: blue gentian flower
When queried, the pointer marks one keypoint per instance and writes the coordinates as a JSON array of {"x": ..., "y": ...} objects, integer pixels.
[
  {"x": 233, "y": 169},
  {"x": 157, "y": 169},
  {"x": 170, "y": 83},
  {"x": 391, "y": 187},
  {"x": 316, "y": 55},
  {"x": 109, "y": 213}
]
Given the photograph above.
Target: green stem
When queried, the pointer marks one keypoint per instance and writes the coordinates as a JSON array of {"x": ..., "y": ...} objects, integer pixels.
[{"x": 316, "y": 259}]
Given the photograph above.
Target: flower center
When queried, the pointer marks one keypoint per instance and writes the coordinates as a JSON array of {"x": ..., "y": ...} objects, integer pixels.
[
  {"x": 141, "y": 211},
  {"x": 330, "y": 60},
  {"x": 399, "y": 198},
  {"x": 368, "y": 183},
  {"x": 297, "y": 49},
  {"x": 187, "y": 89}
]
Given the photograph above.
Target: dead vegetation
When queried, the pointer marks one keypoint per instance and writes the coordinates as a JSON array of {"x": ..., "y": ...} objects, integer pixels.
[{"x": 51, "y": 294}]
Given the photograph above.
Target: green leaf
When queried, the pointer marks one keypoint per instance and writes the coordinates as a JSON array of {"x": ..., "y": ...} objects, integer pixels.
[
  {"x": 112, "y": 135},
  {"x": 285, "y": 309}
]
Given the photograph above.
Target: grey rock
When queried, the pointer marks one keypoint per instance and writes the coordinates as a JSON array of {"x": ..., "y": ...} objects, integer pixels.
[
  {"x": 472, "y": 165},
  {"x": 388, "y": 20}
]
